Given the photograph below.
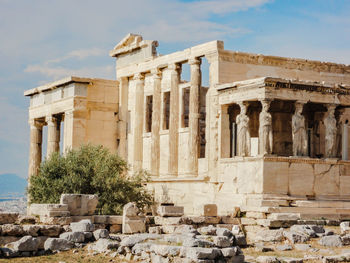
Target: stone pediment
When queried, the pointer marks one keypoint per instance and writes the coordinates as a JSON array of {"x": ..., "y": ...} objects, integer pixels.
[{"x": 130, "y": 43}]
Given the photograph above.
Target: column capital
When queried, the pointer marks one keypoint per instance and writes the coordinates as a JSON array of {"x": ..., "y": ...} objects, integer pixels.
[
  {"x": 194, "y": 61},
  {"x": 265, "y": 104},
  {"x": 174, "y": 66},
  {"x": 36, "y": 123},
  {"x": 139, "y": 76},
  {"x": 50, "y": 119},
  {"x": 120, "y": 79},
  {"x": 156, "y": 73}
]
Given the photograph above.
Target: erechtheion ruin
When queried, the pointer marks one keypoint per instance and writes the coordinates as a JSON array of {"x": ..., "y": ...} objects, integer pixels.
[{"x": 268, "y": 134}]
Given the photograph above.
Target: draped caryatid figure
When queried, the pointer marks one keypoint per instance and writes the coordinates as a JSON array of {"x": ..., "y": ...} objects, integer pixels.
[
  {"x": 331, "y": 132},
  {"x": 265, "y": 129},
  {"x": 243, "y": 135},
  {"x": 299, "y": 131}
]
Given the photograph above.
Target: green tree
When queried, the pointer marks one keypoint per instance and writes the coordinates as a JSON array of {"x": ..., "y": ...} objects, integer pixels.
[{"x": 89, "y": 170}]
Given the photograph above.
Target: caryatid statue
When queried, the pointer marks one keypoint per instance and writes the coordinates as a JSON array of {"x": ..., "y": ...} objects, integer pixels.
[
  {"x": 265, "y": 129},
  {"x": 299, "y": 131},
  {"x": 331, "y": 132},
  {"x": 243, "y": 135}
]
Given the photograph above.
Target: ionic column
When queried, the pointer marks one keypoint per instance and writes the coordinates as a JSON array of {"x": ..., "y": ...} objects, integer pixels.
[
  {"x": 123, "y": 117},
  {"x": 265, "y": 129},
  {"x": 138, "y": 122},
  {"x": 36, "y": 132},
  {"x": 225, "y": 133},
  {"x": 53, "y": 135},
  {"x": 156, "y": 110},
  {"x": 173, "y": 119},
  {"x": 330, "y": 132},
  {"x": 68, "y": 130},
  {"x": 194, "y": 115}
]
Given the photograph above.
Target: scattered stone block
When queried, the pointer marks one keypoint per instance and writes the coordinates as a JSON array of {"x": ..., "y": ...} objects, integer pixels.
[
  {"x": 65, "y": 220},
  {"x": 170, "y": 211},
  {"x": 230, "y": 252},
  {"x": 31, "y": 230},
  {"x": 284, "y": 216},
  {"x": 8, "y": 218},
  {"x": 267, "y": 259},
  {"x": 49, "y": 210},
  {"x": 345, "y": 227},
  {"x": 159, "y": 220},
  {"x": 197, "y": 253},
  {"x": 26, "y": 243},
  {"x": 50, "y": 230},
  {"x": 26, "y": 219},
  {"x": 331, "y": 241},
  {"x": 256, "y": 215},
  {"x": 76, "y": 237},
  {"x": 58, "y": 244},
  {"x": 80, "y": 204},
  {"x": 302, "y": 247},
  {"x": 210, "y": 210},
  {"x": 82, "y": 226},
  {"x": 269, "y": 235},
  {"x": 236, "y": 229},
  {"x": 132, "y": 223},
  {"x": 104, "y": 244},
  {"x": 230, "y": 220},
  {"x": 12, "y": 230},
  {"x": 115, "y": 229},
  {"x": 101, "y": 233},
  {"x": 296, "y": 237},
  {"x": 285, "y": 247}
]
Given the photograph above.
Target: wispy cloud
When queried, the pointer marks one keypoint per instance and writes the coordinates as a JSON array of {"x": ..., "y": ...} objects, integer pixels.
[{"x": 79, "y": 54}]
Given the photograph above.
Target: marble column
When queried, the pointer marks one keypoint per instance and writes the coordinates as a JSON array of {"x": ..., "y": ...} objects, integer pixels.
[
  {"x": 193, "y": 141},
  {"x": 68, "y": 130},
  {"x": 156, "y": 110},
  {"x": 138, "y": 121},
  {"x": 330, "y": 124},
  {"x": 123, "y": 117},
  {"x": 35, "y": 151},
  {"x": 53, "y": 135},
  {"x": 174, "y": 119},
  {"x": 265, "y": 129},
  {"x": 225, "y": 133}
]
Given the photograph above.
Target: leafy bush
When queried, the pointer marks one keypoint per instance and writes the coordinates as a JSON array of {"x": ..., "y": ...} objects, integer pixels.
[{"x": 89, "y": 170}]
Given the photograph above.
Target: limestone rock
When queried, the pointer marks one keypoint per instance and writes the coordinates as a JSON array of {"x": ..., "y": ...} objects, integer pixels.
[
  {"x": 41, "y": 241},
  {"x": 222, "y": 241},
  {"x": 130, "y": 241},
  {"x": 345, "y": 227},
  {"x": 76, "y": 237},
  {"x": 50, "y": 230},
  {"x": 302, "y": 247},
  {"x": 194, "y": 242},
  {"x": 170, "y": 211},
  {"x": 130, "y": 210},
  {"x": 141, "y": 247},
  {"x": 197, "y": 253},
  {"x": 82, "y": 226},
  {"x": 101, "y": 233},
  {"x": 331, "y": 241},
  {"x": 210, "y": 210},
  {"x": 104, "y": 244},
  {"x": 296, "y": 237},
  {"x": 240, "y": 240},
  {"x": 55, "y": 220},
  {"x": 26, "y": 243},
  {"x": 12, "y": 230},
  {"x": 165, "y": 250},
  {"x": 230, "y": 251},
  {"x": 31, "y": 230},
  {"x": 267, "y": 259},
  {"x": 8, "y": 217},
  {"x": 284, "y": 247},
  {"x": 269, "y": 235},
  {"x": 58, "y": 244},
  {"x": 26, "y": 219},
  {"x": 80, "y": 204}
]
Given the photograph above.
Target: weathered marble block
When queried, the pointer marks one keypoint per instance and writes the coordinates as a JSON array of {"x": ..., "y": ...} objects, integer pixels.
[
  {"x": 132, "y": 222},
  {"x": 49, "y": 210},
  {"x": 170, "y": 210},
  {"x": 80, "y": 205}
]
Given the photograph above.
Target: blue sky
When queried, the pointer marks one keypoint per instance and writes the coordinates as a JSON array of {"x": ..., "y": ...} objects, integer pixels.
[{"x": 41, "y": 41}]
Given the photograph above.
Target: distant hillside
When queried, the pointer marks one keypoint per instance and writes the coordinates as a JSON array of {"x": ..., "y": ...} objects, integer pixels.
[{"x": 11, "y": 184}]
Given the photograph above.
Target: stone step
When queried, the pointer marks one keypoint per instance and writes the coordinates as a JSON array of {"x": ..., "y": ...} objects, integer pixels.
[
  {"x": 321, "y": 204},
  {"x": 301, "y": 210}
]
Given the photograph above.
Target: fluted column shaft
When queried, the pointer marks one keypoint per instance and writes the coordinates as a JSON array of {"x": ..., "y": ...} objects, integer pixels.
[
  {"x": 194, "y": 115},
  {"x": 53, "y": 135},
  {"x": 123, "y": 117},
  {"x": 35, "y": 147},
  {"x": 156, "y": 110},
  {"x": 138, "y": 121},
  {"x": 173, "y": 119}
]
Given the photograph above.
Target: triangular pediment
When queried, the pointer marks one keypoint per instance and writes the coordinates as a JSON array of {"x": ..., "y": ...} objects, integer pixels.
[{"x": 130, "y": 39}]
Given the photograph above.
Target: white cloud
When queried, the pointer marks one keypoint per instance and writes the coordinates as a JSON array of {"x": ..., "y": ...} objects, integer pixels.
[{"x": 79, "y": 54}]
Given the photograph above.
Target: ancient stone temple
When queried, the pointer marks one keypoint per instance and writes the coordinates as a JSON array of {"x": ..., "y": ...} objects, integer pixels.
[{"x": 266, "y": 134}]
